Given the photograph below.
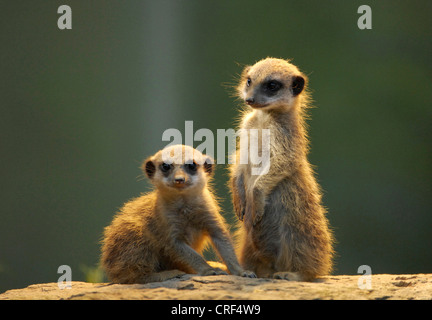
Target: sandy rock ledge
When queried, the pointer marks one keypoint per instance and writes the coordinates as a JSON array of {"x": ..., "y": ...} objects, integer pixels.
[{"x": 193, "y": 287}]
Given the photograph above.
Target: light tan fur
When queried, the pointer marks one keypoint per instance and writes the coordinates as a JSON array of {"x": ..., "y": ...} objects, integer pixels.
[
  {"x": 161, "y": 234},
  {"x": 285, "y": 232}
]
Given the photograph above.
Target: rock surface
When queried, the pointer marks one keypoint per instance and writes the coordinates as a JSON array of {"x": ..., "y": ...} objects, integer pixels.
[{"x": 194, "y": 287}]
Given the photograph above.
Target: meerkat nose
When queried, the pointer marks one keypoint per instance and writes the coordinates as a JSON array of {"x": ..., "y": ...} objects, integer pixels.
[
  {"x": 250, "y": 101},
  {"x": 179, "y": 180}
]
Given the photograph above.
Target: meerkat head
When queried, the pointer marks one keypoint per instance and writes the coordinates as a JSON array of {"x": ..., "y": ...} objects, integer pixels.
[
  {"x": 270, "y": 84},
  {"x": 178, "y": 168}
]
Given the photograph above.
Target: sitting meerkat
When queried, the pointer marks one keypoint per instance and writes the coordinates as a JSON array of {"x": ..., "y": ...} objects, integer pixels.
[
  {"x": 285, "y": 233},
  {"x": 161, "y": 234}
]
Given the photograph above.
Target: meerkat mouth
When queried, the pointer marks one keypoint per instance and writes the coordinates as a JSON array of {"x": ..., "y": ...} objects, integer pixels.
[
  {"x": 256, "y": 105},
  {"x": 179, "y": 185},
  {"x": 259, "y": 106}
]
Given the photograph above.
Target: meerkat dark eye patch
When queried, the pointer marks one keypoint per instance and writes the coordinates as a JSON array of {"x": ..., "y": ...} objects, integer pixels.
[
  {"x": 208, "y": 166},
  {"x": 191, "y": 167},
  {"x": 248, "y": 82},
  {"x": 271, "y": 87},
  {"x": 165, "y": 167},
  {"x": 149, "y": 168},
  {"x": 297, "y": 85}
]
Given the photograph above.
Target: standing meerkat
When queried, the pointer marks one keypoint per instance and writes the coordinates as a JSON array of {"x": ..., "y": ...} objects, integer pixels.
[
  {"x": 161, "y": 234},
  {"x": 285, "y": 232}
]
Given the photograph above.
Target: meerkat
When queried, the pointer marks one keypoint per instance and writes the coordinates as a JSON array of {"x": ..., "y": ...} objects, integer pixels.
[
  {"x": 284, "y": 232},
  {"x": 161, "y": 234}
]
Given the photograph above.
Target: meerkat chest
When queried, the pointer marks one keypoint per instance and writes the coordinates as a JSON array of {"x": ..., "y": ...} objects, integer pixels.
[
  {"x": 187, "y": 218},
  {"x": 256, "y": 120},
  {"x": 191, "y": 226},
  {"x": 255, "y": 147}
]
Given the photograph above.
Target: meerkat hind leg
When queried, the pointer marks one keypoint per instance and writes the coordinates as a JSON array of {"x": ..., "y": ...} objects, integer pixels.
[
  {"x": 290, "y": 276},
  {"x": 163, "y": 276}
]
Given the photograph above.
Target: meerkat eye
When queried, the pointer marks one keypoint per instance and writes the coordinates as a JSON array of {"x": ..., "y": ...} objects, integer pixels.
[
  {"x": 165, "y": 167},
  {"x": 192, "y": 166},
  {"x": 248, "y": 82},
  {"x": 273, "y": 86}
]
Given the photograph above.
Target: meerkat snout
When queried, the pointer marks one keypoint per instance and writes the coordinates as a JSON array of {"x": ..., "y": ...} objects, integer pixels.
[
  {"x": 179, "y": 180},
  {"x": 250, "y": 101}
]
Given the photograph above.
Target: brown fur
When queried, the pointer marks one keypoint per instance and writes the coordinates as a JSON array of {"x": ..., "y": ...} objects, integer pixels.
[
  {"x": 285, "y": 232},
  {"x": 161, "y": 234}
]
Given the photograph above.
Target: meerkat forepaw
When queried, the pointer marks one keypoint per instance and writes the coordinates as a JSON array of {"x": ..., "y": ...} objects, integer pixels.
[
  {"x": 220, "y": 272},
  {"x": 248, "y": 274},
  {"x": 213, "y": 272},
  {"x": 257, "y": 212},
  {"x": 242, "y": 214},
  {"x": 239, "y": 210},
  {"x": 255, "y": 207}
]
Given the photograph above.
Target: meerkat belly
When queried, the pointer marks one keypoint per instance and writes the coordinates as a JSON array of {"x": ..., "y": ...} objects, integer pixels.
[
  {"x": 274, "y": 232},
  {"x": 194, "y": 235},
  {"x": 197, "y": 240}
]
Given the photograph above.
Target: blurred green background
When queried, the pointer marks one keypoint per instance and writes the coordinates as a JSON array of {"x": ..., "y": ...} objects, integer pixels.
[{"x": 81, "y": 108}]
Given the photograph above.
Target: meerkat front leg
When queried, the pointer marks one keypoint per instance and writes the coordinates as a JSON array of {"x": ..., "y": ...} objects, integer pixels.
[
  {"x": 238, "y": 195},
  {"x": 255, "y": 205},
  {"x": 222, "y": 242},
  {"x": 257, "y": 195},
  {"x": 187, "y": 255},
  {"x": 264, "y": 183}
]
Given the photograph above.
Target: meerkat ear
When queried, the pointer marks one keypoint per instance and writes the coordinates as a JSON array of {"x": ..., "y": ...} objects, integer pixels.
[
  {"x": 149, "y": 168},
  {"x": 209, "y": 165},
  {"x": 297, "y": 85}
]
